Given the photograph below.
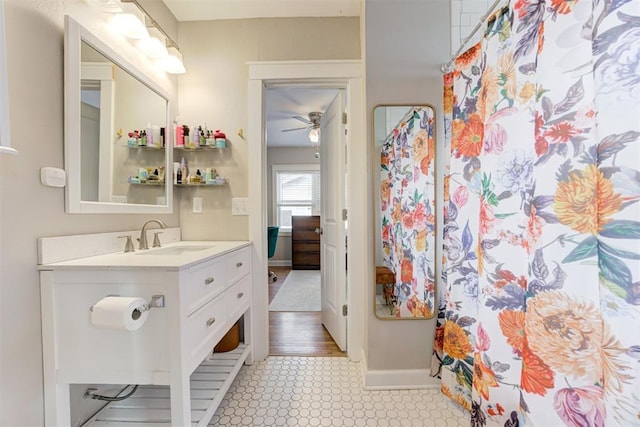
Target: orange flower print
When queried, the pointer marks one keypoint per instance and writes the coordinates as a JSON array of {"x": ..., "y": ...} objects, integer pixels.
[
  {"x": 521, "y": 7},
  {"x": 536, "y": 376},
  {"x": 385, "y": 190},
  {"x": 469, "y": 143},
  {"x": 469, "y": 56},
  {"x": 563, "y": 7},
  {"x": 420, "y": 147},
  {"x": 540, "y": 37},
  {"x": 483, "y": 376},
  {"x": 448, "y": 99},
  {"x": 487, "y": 218},
  {"x": 488, "y": 96},
  {"x": 507, "y": 67},
  {"x": 586, "y": 200},
  {"x": 456, "y": 343},
  {"x": 428, "y": 159},
  {"x": 567, "y": 334},
  {"x": 562, "y": 132},
  {"x": 447, "y": 185},
  {"x": 406, "y": 270},
  {"x": 457, "y": 126},
  {"x": 421, "y": 240},
  {"x": 512, "y": 327}
]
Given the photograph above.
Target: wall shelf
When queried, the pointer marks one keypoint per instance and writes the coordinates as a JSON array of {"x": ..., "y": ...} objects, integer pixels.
[
  {"x": 218, "y": 183},
  {"x": 151, "y": 404},
  {"x": 201, "y": 148}
]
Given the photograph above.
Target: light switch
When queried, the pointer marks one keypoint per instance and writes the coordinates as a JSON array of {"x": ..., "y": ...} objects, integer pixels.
[
  {"x": 197, "y": 205},
  {"x": 239, "y": 206}
]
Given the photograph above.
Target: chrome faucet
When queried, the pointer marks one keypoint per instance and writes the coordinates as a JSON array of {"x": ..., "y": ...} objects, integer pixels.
[{"x": 143, "y": 233}]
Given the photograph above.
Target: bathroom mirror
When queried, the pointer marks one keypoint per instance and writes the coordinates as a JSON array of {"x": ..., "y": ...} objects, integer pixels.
[
  {"x": 116, "y": 155},
  {"x": 405, "y": 211}
]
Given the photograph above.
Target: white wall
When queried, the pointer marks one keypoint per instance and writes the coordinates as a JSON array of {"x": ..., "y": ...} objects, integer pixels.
[
  {"x": 284, "y": 156},
  {"x": 465, "y": 14},
  {"x": 405, "y": 43},
  {"x": 28, "y": 210},
  {"x": 214, "y": 90}
]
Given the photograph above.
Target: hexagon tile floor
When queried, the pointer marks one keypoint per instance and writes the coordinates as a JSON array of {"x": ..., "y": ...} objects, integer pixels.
[{"x": 326, "y": 391}]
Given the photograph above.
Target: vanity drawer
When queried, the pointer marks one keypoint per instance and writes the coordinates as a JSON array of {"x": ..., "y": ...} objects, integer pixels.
[
  {"x": 204, "y": 328},
  {"x": 238, "y": 264},
  {"x": 238, "y": 298},
  {"x": 205, "y": 281}
]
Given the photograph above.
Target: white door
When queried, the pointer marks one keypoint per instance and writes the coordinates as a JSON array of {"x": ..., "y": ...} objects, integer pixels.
[{"x": 332, "y": 241}]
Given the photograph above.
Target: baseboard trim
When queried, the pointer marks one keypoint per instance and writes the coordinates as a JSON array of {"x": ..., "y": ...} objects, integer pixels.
[
  {"x": 280, "y": 263},
  {"x": 396, "y": 379}
]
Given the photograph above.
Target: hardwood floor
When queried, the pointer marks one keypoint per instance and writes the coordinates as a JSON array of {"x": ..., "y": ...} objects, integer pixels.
[{"x": 297, "y": 333}]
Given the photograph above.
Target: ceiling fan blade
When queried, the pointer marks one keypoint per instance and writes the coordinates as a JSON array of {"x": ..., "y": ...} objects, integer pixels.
[
  {"x": 302, "y": 119},
  {"x": 292, "y": 129}
]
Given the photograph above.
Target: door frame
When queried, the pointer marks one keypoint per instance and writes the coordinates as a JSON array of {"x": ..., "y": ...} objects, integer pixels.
[{"x": 341, "y": 73}]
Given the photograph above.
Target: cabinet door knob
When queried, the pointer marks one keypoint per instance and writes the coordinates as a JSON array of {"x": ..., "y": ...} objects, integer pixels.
[
  {"x": 240, "y": 295},
  {"x": 211, "y": 321},
  {"x": 238, "y": 264},
  {"x": 208, "y": 280}
]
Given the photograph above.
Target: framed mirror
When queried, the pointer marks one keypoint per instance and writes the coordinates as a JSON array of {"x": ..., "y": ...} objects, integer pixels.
[
  {"x": 117, "y": 153},
  {"x": 405, "y": 211}
]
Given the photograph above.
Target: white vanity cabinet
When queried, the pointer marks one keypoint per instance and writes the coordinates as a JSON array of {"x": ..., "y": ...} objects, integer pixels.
[{"x": 181, "y": 382}]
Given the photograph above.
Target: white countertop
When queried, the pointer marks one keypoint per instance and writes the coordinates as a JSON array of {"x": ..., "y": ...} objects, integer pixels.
[{"x": 184, "y": 254}]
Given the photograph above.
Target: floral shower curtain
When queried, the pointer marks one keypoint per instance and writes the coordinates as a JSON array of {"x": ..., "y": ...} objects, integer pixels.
[
  {"x": 538, "y": 321},
  {"x": 407, "y": 194}
]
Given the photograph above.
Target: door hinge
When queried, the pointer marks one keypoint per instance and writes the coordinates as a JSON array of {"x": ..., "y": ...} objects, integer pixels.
[
  {"x": 344, "y": 214},
  {"x": 344, "y": 310},
  {"x": 344, "y": 118}
]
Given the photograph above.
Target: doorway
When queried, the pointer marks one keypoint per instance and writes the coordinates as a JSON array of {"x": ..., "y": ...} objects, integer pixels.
[
  {"x": 294, "y": 120},
  {"x": 346, "y": 74}
]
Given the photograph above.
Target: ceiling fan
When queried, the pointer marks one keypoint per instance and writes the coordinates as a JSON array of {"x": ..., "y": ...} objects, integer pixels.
[{"x": 313, "y": 123}]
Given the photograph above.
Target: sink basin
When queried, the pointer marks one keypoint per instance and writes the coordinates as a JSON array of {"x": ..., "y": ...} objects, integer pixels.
[{"x": 174, "y": 250}]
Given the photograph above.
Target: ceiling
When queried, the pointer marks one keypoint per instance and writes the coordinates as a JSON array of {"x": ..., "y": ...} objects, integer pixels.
[
  {"x": 203, "y": 10},
  {"x": 282, "y": 103}
]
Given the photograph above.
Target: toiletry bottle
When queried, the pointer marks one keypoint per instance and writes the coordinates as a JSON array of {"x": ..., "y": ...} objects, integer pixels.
[
  {"x": 202, "y": 138},
  {"x": 149, "y": 134},
  {"x": 179, "y": 141},
  {"x": 161, "y": 137},
  {"x": 183, "y": 168},
  {"x": 195, "y": 137},
  {"x": 179, "y": 175}
]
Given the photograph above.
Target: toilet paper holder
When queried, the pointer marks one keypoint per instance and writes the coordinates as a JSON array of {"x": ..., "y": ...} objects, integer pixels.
[{"x": 157, "y": 301}]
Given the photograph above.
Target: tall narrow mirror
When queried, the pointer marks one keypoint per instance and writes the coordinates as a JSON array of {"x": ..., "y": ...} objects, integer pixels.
[
  {"x": 405, "y": 209},
  {"x": 116, "y": 154}
]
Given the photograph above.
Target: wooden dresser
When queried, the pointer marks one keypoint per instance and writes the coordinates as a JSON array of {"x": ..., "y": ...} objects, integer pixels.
[{"x": 305, "y": 242}]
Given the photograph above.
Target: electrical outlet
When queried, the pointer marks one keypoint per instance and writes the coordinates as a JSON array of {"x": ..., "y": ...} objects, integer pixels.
[
  {"x": 239, "y": 206},
  {"x": 197, "y": 205}
]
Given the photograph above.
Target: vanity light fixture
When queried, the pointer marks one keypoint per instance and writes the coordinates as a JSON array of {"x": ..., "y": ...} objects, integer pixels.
[
  {"x": 130, "y": 23},
  {"x": 154, "y": 45},
  {"x": 172, "y": 63},
  {"x": 153, "y": 41}
]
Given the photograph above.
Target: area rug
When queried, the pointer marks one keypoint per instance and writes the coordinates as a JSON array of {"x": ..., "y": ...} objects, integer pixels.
[{"x": 299, "y": 292}]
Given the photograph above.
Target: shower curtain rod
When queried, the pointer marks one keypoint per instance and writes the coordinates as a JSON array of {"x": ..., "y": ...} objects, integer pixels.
[{"x": 448, "y": 67}]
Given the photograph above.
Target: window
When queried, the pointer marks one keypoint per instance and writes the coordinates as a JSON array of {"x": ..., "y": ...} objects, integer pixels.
[{"x": 296, "y": 190}]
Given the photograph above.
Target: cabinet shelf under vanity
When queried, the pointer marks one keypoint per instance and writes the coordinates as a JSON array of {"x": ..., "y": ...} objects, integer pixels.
[{"x": 151, "y": 405}]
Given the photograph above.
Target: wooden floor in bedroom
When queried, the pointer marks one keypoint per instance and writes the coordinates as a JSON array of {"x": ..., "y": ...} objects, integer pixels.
[{"x": 297, "y": 333}]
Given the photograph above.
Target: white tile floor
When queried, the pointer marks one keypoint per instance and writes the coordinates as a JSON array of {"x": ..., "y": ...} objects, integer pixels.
[{"x": 326, "y": 391}]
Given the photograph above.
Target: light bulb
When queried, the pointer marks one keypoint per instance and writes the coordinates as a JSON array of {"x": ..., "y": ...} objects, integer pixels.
[
  {"x": 154, "y": 45},
  {"x": 314, "y": 135},
  {"x": 131, "y": 22},
  {"x": 172, "y": 63}
]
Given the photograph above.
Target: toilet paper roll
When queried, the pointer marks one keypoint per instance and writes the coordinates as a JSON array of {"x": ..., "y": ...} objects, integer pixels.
[{"x": 123, "y": 313}]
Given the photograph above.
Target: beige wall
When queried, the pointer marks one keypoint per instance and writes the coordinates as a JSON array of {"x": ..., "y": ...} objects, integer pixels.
[
  {"x": 403, "y": 67},
  {"x": 284, "y": 156},
  {"x": 214, "y": 91},
  {"x": 29, "y": 210}
]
